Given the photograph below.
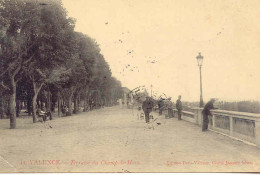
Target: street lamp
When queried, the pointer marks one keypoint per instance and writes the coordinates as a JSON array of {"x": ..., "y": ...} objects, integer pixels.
[{"x": 200, "y": 60}]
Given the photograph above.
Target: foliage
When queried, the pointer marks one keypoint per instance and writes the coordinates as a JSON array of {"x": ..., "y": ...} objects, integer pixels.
[{"x": 42, "y": 54}]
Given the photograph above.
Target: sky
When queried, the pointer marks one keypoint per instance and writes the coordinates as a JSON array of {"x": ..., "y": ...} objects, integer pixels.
[{"x": 155, "y": 42}]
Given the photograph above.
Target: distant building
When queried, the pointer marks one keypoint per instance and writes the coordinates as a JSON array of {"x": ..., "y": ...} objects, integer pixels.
[{"x": 127, "y": 97}]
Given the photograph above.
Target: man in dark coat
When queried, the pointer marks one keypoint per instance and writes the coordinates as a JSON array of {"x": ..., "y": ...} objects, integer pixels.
[
  {"x": 160, "y": 106},
  {"x": 147, "y": 108},
  {"x": 206, "y": 113},
  {"x": 179, "y": 107}
]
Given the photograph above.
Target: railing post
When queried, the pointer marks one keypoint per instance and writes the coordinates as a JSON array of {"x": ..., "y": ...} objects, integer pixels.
[
  {"x": 213, "y": 121},
  {"x": 175, "y": 113},
  {"x": 257, "y": 133},
  {"x": 200, "y": 117},
  {"x": 231, "y": 125},
  {"x": 196, "y": 115}
]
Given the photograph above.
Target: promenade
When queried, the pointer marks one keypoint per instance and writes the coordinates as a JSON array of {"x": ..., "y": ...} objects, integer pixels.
[{"x": 113, "y": 139}]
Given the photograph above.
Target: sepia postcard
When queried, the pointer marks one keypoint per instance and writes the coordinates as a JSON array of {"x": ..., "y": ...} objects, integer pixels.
[{"x": 129, "y": 86}]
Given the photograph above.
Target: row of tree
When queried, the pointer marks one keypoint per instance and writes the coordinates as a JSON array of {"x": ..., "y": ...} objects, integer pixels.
[{"x": 44, "y": 61}]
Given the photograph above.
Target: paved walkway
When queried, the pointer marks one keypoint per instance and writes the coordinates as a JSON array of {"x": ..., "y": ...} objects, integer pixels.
[{"x": 114, "y": 140}]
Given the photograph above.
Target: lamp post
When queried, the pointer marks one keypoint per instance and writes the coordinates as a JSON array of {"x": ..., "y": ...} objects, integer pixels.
[{"x": 200, "y": 60}]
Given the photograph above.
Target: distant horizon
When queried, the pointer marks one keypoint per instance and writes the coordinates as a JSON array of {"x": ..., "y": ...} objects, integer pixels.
[{"x": 194, "y": 101}]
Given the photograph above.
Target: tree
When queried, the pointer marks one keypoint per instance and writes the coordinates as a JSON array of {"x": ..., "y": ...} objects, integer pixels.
[
  {"x": 14, "y": 48},
  {"x": 54, "y": 47},
  {"x": 40, "y": 49},
  {"x": 34, "y": 37}
]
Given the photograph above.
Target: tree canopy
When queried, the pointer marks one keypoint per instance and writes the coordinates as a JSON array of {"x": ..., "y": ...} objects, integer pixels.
[{"x": 41, "y": 53}]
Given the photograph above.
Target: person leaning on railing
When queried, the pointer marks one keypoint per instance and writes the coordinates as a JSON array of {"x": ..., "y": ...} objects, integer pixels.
[{"x": 206, "y": 113}]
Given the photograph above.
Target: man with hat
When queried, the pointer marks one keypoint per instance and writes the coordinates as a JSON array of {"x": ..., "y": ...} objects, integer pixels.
[
  {"x": 179, "y": 107},
  {"x": 206, "y": 113},
  {"x": 147, "y": 108},
  {"x": 160, "y": 106}
]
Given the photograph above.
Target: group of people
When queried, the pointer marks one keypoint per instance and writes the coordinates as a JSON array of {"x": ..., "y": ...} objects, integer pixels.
[
  {"x": 148, "y": 105},
  {"x": 162, "y": 104}
]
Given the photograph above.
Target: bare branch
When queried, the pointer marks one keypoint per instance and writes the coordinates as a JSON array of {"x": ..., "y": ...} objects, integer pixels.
[
  {"x": 17, "y": 70},
  {"x": 18, "y": 79},
  {"x": 29, "y": 59},
  {"x": 26, "y": 50},
  {"x": 4, "y": 86},
  {"x": 10, "y": 67},
  {"x": 38, "y": 90}
]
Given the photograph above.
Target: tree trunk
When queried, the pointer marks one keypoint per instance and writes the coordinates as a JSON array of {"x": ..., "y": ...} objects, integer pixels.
[
  {"x": 86, "y": 104},
  {"x": 59, "y": 104},
  {"x": 25, "y": 104},
  {"x": 29, "y": 99},
  {"x": 36, "y": 91},
  {"x": 29, "y": 106},
  {"x": 38, "y": 104},
  {"x": 75, "y": 111},
  {"x": 7, "y": 108},
  {"x": 96, "y": 102},
  {"x": 42, "y": 105},
  {"x": 12, "y": 104},
  {"x": 86, "y": 93},
  {"x": 79, "y": 104},
  {"x": 69, "y": 105},
  {"x": 75, "y": 106},
  {"x": 48, "y": 107},
  {"x": 34, "y": 103},
  {"x": 53, "y": 105},
  {"x": 2, "y": 108},
  {"x": 18, "y": 108},
  {"x": 49, "y": 101},
  {"x": 69, "y": 100}
]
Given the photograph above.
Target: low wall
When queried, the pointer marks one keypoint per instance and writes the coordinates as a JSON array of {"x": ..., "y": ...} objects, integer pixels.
[
  {"x": 240, "y": 125},
  {"x": 188, "y": 116}
]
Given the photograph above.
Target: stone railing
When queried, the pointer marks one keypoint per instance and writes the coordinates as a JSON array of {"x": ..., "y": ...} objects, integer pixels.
[
  {"x": 189, "y": 116},
  {"x": 239, "y": 125}
]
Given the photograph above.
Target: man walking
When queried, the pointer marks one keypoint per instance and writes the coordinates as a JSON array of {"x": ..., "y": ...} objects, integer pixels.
[
  {"x": 147, "y": 108},
  {"x": 179, "y": 107},
  {"x": 206, "y": 113}
]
